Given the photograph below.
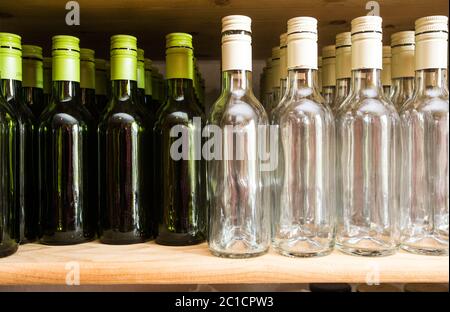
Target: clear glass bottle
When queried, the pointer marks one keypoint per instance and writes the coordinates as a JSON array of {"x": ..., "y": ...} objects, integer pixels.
[
  {"x": 32, "y": 83},
  {"x": 283, "y": 65},
  {"x": 329, "y": 74},
  {"x": 386, "y": 79},
  {"x": 368, "y": 142},
  {"x": 125, "y": 148},
  {"x": 402, "y": 47},
  {"x": 276, "y": 79},
  {"x": 9, "y": 140},
  {"x": 425, "y": 137},
  {"x": 101, "y": 85},
  {"x": 67, "y": 154},
  {"x": 304, "y": 224},
  {"x": 343, "y": 69},
  {"x": 182, "y": 211},
  {"x": 239, "y": 215}
]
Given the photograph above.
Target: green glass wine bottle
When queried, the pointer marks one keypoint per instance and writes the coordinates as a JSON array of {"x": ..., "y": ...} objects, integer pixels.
[
  {"x": 140, "y": 77},
  {"x": 32, "y": 83},
  {"x": 182, "y": 214},
  {"x": 13, "y": 94},
  {"x": 101, "y": 83},
  {"x": 124, "y": 150},
  {"x": 66, "y": 153},
  {"x": 47, "y": 81},
  {"x": 87, "y": 82},
  {"x": 9, "y": 138}
]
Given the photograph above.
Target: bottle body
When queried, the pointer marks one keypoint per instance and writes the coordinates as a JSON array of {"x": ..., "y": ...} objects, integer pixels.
[
  {"x": 10, "y": 222},
  {"x": 424, "y": 192},
  {"x": 367, "y": 163},
  {"x": 182, "y": 216},
  {"x": 239, "y": 221},
  {"x": 124, "y": 170},
  {"x": 304, "y": 224},
  {"x": 66, "y": 175}
]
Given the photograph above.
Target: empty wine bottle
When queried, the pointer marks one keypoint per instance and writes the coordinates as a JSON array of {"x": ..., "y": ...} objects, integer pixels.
[
  {"x": 304, "y": 224},
  {"x": 402, "y": 47},
  {"x": 47, "y": 80},
  {"x": 239, "y": 202},
  {"x": 32, "y": 84},
  {"x": 182, "y": 217},
  {"x": 425, "y": 138},
  {"x": 87, "y": 82},
  {"x": 386, "y": 79},
  {"x": 329, "y": 74},
  {"x": 10, "y": 53},
  {"x": 124, "y": 135},
  {"x": 101, "y": 85},
  {"x": 13, "y": 94},
  {"x": 343, "y": 69},
  {"x": 66, "y": 153},
  {"x": 368, "y": 152}
]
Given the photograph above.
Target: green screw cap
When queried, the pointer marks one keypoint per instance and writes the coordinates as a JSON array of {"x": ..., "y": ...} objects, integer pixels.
[
  {"x": 123, "y": 57},
  {"x": 87, "y": 78},
  {"x": 65, "y": 58},
  {"x": 31, "y": 51},
  {"x": 179, "y": 56},
  {"x": 10, "y": 56},
  {"x": 32, "y": 66},
  {"x": 179, "y": 40}
]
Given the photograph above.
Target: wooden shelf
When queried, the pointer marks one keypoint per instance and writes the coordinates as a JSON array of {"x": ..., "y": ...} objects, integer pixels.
[
  {"x": 149, "y": 263},
  {"x": 151, "y": 20}
]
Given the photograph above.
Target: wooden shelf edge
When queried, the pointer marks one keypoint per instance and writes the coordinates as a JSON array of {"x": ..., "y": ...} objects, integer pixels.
[{"x": 149, "y": 263}]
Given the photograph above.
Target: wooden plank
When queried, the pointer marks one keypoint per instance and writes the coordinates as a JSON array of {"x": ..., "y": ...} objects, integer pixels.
[
  {"x": 149, "y": 263},
  {"x": 151, "y": 20}
]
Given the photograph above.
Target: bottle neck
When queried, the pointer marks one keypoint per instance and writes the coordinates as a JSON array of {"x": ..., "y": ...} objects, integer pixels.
[
  {"x": 11, "y": 89},
  {"x": 64, "y": 91},
  {"x": 237, "y": 81},
  {"x": 302, "y": 82},
  {"x": 180, "y": 89},
  {"x": 343, "y": 87},
  {"x": 431, "y": 82},
  {"x": 367, "y": 82},
  {"x": 124, "y": 90},
  {"x": 403, "y": 85}
]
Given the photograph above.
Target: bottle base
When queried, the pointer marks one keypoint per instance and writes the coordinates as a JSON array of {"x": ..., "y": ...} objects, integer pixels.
[
  {"x": 302, "y": 254},
  {"x": 237, "y": 255},
  {"x": 123, "y": 238},
  {"x": 177, "y": 239},
  {"x": 66, "y": 238},
  {"x": 425, "y": 251},
  {"x": 366, "y": 252},
  {"x": 7, "y": 251},
  {"x": 303, "y": 247}
]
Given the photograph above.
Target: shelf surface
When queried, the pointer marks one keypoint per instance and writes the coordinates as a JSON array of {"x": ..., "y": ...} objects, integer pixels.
[
  {"x": 149, "y": 263},
  {"x": 151, "y": 20}
]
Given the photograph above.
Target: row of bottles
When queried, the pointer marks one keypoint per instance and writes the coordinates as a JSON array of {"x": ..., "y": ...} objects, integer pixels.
[{"x": 344, "y": 167}]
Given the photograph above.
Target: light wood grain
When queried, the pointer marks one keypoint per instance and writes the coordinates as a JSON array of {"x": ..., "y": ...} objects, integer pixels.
[
  {"x": 151, "y": 20},
  {"x": 149, "y": 263}
]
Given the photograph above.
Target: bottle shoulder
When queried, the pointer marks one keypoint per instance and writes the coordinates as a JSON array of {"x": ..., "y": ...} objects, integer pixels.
[
  {"x": 177, "y": 112},
  {"x": 356, "y": 105},
  {"x": 231, "y": 108},
  {"x": 438, "y": 103},
  {"x": 69, "y": 113}
]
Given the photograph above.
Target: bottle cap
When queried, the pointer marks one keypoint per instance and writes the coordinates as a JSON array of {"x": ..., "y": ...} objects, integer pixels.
[
  {"x": 236, "y": 47},
  {"x": 140, "y": 69},
  {"x": 32, "y": 67},
  {"x": 148, "y": 64},
  {"x": 386, "y": 71},
  {"x": 276, "y": 67},
  {"x": 65, "y": 58},
  {"x": 10, "y": 56},
  {"x": 87, "y": 69},
  {"x": 47, "y": 80},
  {"x": 302, "y": 43},
  {"x": 236, "y": 23},
  {"x": 343, "y": 55},
  {"x": 403, "y": 50},
  {"x": 329, "y": 66},
  {"x": 100, "y": 64},
  {"x": 179, "y": 56},
  {"x": 283, "y": 56},
  {"x": 283, "y": 41},
  {"x": 123, "y": 57},
  {"x": 431, "y": 42},
  {"x": 367, "y": 43},
  {"x": 179, "y": 40},
  {"x": 47, "y": 62},
  {"x": 31, "y": 51}
]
